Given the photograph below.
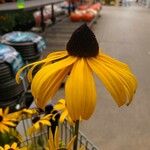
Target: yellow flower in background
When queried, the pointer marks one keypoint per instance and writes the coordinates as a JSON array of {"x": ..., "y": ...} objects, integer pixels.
[
  {"x": 54, "y": 142},
  {"x": 40, "y": 123},
  {"x": 27, "y": 113},
  {"x": 61, "y": 106},
  {"x": 12, "y": 147},
  {"x": 8, "y": 147},
  {"x": 81, "y": 60},
  {"x": 7, "y": 120}
]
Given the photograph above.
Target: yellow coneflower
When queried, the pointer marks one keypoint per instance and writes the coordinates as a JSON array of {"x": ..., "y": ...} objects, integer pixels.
[
  {"x": 40, "y": 123},
  {"x": 80, "y": 61},
  {"x": 61, "y": 106},
  {"x": 7, "y": 120},
  {"x": 27, "y": 113},
  {"x": 12, "y": 147},
  {"x": 54, "y": 142}
]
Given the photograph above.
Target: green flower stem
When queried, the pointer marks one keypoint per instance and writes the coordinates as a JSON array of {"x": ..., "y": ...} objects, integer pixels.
[{"x": 75, "y": 146}]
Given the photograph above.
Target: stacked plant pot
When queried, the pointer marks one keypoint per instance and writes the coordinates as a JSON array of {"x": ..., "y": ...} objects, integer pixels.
[
  {"x": 28, "y": 44},
  {"x": 10, "y": 91}
]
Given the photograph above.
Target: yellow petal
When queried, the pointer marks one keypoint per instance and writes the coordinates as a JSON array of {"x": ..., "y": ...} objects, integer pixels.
[
  {"x": 60, "y": 105},
  {"x": 70, "y": 144},
  {"x": 82, "y": 148},
  {"x": 51, "y": 141},
  {"x": 113, "y": 61},
  {"x": 23, "y": 68},
  {"x": 14, "y": 145},
  {"x": 36, "y": 126},
  {"x": 8, "y": 123},
  {"x": 48, "y": 80},
  {"x": 124, "y": 74},
  {"x": 1, "y": 148},
  {"x": 45, "y": 122},
  {"x": 6, "y": 111},
  {"x": 51, "y": 57},
  {"x": 80, "y": 91},
  {"x": 61, "y": 53},
  {"x": 56, "y": 138},
  {"x": 113, "y": 77},
  {"x": 47, "y": 117},
  {"x": 4, "y": 128},
  {"x": 128, "y": 81},
  {"x": 1, "y": 112},
  {"x": 63, "y": 116},
  {"x": 7, "y": 147}
]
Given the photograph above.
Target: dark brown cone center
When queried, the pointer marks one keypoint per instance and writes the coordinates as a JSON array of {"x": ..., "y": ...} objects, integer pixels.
[
  {"x": 83, "y": 43},
  {"x": 1, "y": 118}
]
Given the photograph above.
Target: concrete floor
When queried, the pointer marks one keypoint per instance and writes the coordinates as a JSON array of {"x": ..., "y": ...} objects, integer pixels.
[{"x": 123, "y": 33}]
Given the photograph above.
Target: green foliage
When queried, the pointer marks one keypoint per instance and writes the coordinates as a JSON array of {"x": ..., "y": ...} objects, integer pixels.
[
  {"x": 9, "y": 138},
  {"x": 7, "y": 22},
  {"x": 16, "y": 21}
]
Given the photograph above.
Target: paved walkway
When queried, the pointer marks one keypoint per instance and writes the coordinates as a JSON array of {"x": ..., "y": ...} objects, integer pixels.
[{"x": 123, "y": 33}]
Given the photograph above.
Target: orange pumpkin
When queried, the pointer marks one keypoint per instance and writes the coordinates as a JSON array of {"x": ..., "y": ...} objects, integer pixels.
[
  {"x": 75, "y": 17},
  {"x": 83, "y": 7},
  {"x": 96, "y": 6},
  {"x": 87, "y": 17}
]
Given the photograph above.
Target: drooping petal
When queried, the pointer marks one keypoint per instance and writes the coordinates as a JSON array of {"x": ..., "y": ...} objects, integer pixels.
[
  {"x": 49, "y": 88},
  {"x": 63, "y": 116},
  {"x": 127, "y": 78},
  {"x": 57, "y": 54},
  {"x": 50, "y": 58},
  {"x": 56, "y": 138},
  {"x": 116, "y": 77},
  {"x": 80, "y": 91},
  {"x": 23, "y": 68},
  {"x": 70, "y": 144},
  {"x": 45, "y": 122},
  {"x": 82, "y": 148},
  {"x": 60, "y": 105},
  {"x": 113, "y": 61},
  {"x": 47, "y": 81},
  {"x": 51, "y": 141},
  {"x": 124, "y": 74}
]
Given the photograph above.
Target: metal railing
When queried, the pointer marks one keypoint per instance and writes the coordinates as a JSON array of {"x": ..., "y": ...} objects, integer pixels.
[{"x": 66, "y": 134}]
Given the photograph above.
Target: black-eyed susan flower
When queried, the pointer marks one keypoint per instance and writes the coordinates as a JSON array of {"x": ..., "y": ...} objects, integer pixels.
[
  {"x": 40, "y": 123},
  {"x": 28, "y": 113},
  {"x": 12, "y": 147},
  {"x": 7, "y": 120},
  {"x": 54, "y": 142},
  {"x": 61, "y": 106},
  {"x": 81, "y": 60}
]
